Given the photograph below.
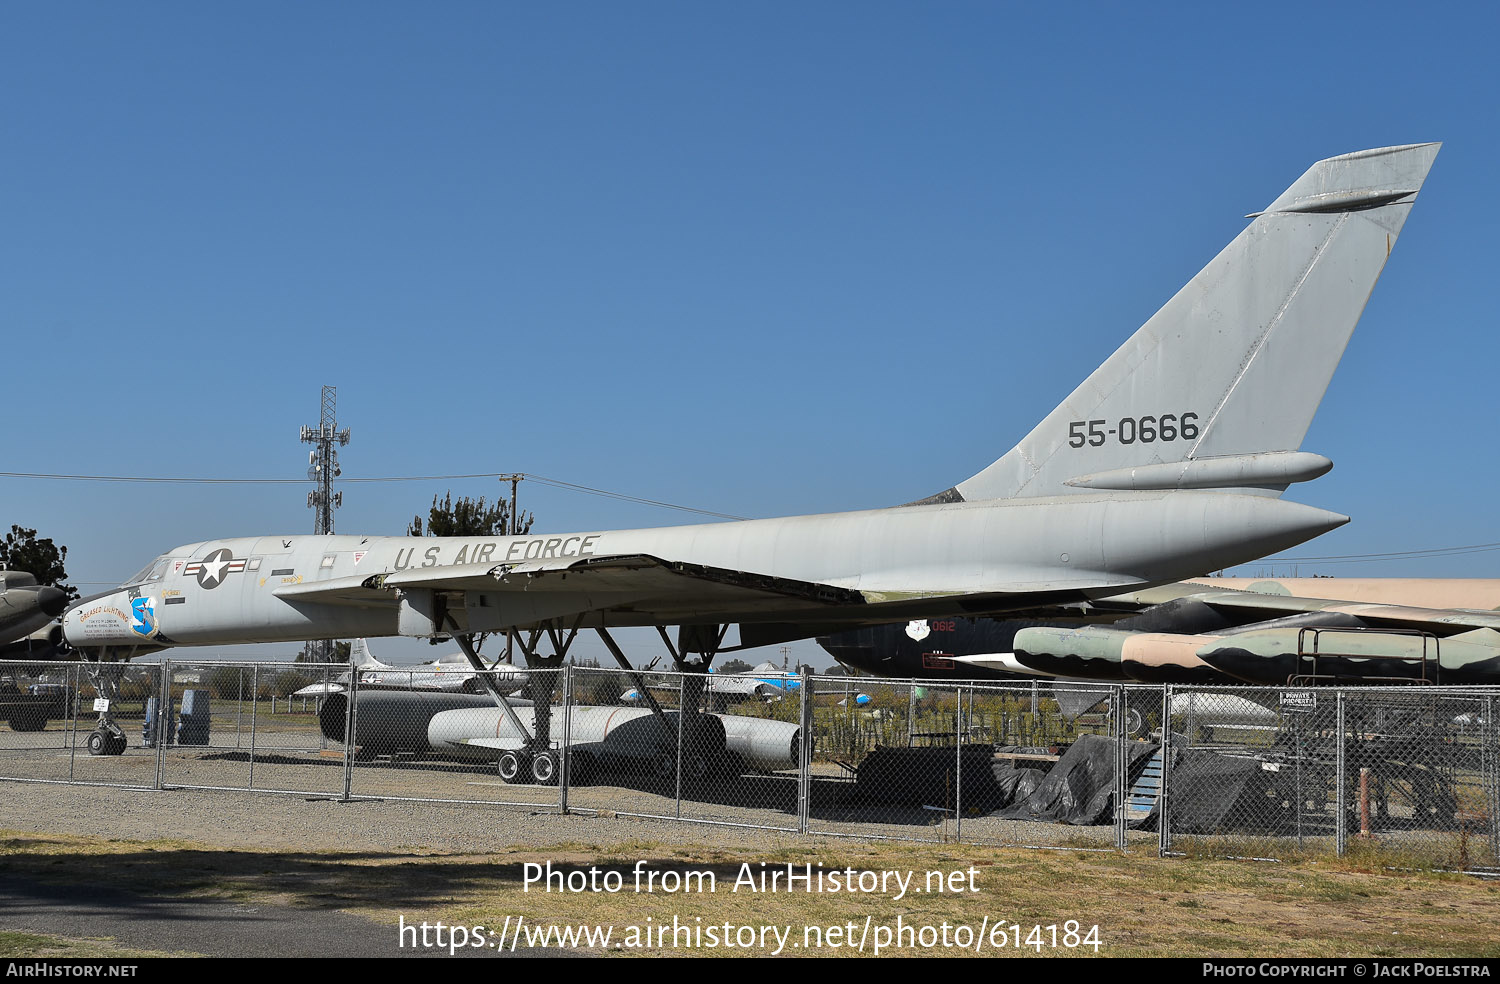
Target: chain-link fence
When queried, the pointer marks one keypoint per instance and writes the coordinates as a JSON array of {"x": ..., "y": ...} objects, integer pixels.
[
  {"x": 686, "y": 746},
  {"x": 1408, "y": 776},
  {"x": 1405, "y": 773},
  {"x": 249, "y": 726},
  {"x": 499, "y": 738},
  {"x": 1042, "y": 765},
  {"x": 881, "y": 760},
  {"x": 50, "y": 712}
]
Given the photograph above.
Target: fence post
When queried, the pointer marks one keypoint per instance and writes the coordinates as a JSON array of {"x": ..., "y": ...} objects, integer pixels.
[
  {"x": 911, "y": 713},
  {"x": 1299, "y": 744},
  {"x": 958, "y": 769},
  {"x": 1340, "y": 805},
  {"x": 1492, "y": 777},
  {"x": 75, "y": 685},
  {"x": 804, "y": 755},
  {"x": 1163, "y": 818},
  {"x": 239, "y": 704},
  {"x": 350, "y": 726},
  {"x": 1122, "y": 711},
  {"x": 254, "y": 714},
  {"x": 565, "y": 758},
  {"x": 681, "y": 713},
  {"x": 163, "y": 713}
]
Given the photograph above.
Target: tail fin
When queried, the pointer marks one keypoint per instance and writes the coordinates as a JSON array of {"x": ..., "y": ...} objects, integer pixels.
[
  {"x": 359, "y": 654},
  {"x": 1218, "y": 389}
]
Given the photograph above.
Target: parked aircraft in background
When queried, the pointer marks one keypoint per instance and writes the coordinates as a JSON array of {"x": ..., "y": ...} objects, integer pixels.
[
  {"x": 1219, "y": 630},
  {"x": 1167, "y": 461},
  {"x": 450, "y": 673},
  {"x": 766, "y": 682},
  {"x": 26, "y": 606}
]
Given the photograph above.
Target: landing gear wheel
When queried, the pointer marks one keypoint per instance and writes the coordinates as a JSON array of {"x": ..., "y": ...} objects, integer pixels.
[
  {"x": 98, "y": 743},
  {"x": 509, "y": 766},
  {"x": 544, "y": 769},
  {"x": 116, "y": 745}
]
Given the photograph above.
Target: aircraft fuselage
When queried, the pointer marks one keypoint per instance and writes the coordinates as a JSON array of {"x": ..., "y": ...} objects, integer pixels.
[{"x": 916, "y": 561}]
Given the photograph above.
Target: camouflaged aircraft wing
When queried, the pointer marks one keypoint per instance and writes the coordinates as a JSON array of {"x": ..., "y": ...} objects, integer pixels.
[
  {"x": 1385, "y": 602},
  {"x": 1302, "y": 630}
]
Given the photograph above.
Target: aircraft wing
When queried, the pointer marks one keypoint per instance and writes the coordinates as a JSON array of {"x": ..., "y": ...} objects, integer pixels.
[
  {"x": 742, "y": 685},
  {"x": 638, "y": 588},
  {"x": 1276, "y": 631},
  {"x": 1266, "y": 604}
]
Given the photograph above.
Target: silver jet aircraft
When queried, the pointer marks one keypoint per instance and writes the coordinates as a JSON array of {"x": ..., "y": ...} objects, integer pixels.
[
  {"x": 449, "y": 673},
  {"x": 1169, "y": 460}
]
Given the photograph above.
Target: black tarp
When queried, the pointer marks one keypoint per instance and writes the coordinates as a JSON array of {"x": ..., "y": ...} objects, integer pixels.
[
  {"x": 1209, "y": 792},
  {"x": 1016, "y": 779},
  {"x": 1080, "y": 788},
  {"x": 927, "y": 776}
]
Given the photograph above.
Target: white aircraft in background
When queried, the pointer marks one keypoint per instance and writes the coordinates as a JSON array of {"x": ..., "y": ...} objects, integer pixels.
[
  {"x": 766, "y": 682},
  {"x": 449, "y": 673}
]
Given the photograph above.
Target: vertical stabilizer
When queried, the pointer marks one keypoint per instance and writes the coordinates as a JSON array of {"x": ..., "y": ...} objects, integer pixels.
[{"x": 1218, "y": 388}]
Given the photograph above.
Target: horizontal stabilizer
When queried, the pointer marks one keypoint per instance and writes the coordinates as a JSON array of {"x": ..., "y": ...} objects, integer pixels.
[{"x": 1275, "y": 469}]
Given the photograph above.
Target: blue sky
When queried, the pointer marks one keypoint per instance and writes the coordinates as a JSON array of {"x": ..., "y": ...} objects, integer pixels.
[{"x": 761, "y": 259}]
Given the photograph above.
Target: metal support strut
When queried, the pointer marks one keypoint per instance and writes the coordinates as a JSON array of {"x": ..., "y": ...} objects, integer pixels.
[
  {"x": 107, "y": 738},
  {"x": 537, "y": 760},
  {"x": 706, "y": 641},
  {"x": 635, "y": 676},
  {"x": 487, "y": 680}
]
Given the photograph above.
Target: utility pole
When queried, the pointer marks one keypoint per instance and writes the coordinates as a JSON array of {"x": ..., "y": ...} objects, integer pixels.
[
  {"x": 323, "y": 468},
  {"x": 513, "y": 525}
]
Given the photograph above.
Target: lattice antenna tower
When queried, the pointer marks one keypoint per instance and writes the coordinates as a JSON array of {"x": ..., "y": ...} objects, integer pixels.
[{"x": 323, "y": 462}]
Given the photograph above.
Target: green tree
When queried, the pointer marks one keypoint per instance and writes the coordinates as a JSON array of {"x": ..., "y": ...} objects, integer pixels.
[
  {"x": 23, "y": 551},
  {"x": 468, "y": 517},
  {"x": 337, "y": 653}
]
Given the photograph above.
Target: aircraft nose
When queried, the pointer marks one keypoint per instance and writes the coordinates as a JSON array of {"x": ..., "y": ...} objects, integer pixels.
[{"x": 105, "y": 617}]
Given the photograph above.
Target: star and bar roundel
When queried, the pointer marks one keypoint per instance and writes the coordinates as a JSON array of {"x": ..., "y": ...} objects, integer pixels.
[{"x": 211, "y": 570}]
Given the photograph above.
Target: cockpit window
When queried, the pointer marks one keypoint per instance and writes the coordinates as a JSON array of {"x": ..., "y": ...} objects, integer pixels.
[{"x": 151, "y": 572}]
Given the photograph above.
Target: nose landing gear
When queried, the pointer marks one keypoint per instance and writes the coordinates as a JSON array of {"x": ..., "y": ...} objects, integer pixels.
[
  {"x": 104, "y": 742},
  {"x": 107, "y": 738}
]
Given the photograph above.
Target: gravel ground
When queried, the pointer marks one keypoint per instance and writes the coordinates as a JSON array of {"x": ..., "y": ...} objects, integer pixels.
[
  {"x": 281, "y": 822},
  {"x": 761, "y": 808}
]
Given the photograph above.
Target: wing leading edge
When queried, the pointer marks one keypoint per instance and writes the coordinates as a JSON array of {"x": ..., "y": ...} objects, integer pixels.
[{"x": 609, "y": 590}]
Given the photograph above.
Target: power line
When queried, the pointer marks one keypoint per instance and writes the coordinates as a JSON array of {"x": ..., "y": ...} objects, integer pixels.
[
  {"x": 557, "y": 483},
  {"x": 1375, "y": 558},
  {"x": 628, "y": 498},
  {"x": 235, "y": 481}
]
